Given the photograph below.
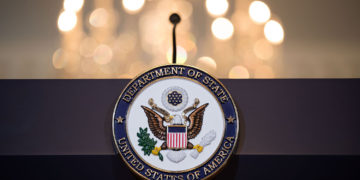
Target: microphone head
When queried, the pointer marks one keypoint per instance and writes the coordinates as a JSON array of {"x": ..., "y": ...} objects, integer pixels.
[{"x": 175, "y": 18}]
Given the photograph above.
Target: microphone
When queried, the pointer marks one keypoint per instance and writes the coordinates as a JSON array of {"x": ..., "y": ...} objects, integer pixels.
[{"x": 174, "y": 19}]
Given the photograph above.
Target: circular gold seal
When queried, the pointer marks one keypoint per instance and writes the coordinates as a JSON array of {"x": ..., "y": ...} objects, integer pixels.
[{"x": 175, "y": 122}]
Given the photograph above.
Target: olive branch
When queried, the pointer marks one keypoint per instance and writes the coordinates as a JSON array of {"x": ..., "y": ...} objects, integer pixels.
[{"x": 147, "y": 143}]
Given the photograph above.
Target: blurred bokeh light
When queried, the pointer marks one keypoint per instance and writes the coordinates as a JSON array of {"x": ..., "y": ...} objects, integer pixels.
[
  {"x": 67, "y": 21},
  {"x": 119, "y": 38},
  {"x": 239, "y": 72},
  {"x": 274, "y": 32},
  {"x": 99, "y": 17},
  {"x": 259, "y": 12},
  {"x": 242, "y": 41},
  {"x": 217, "y": 7},
  {"x": 222, "y": 28},
  {"x": 133, "y": 6},
  {"x": 206, "y": 63},
  {"x": 181, "y": 55},
  {"x": 73, "y": 5}
]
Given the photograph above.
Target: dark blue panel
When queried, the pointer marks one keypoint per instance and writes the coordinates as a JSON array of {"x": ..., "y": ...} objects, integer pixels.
[
  {"x": 176, "y": 129},
  {"x": 278, "y": 116},
  {"x": 251, "y": 167}
]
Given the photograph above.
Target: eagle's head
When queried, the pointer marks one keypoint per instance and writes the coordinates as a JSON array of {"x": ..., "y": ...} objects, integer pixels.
[{"x": 177, "y": 120}]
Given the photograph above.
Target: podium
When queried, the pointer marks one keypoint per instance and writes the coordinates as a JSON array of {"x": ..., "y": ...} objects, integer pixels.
[{"x": 289, "y": 129}]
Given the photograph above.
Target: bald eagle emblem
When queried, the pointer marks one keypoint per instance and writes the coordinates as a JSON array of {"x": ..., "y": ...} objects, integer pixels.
[{"x": 175, "y": 130}]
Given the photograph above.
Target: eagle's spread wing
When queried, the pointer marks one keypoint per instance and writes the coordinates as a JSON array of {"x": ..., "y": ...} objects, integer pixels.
[
  {"x": 155, "y": 123},
  {"x": 196, "y": 120}
]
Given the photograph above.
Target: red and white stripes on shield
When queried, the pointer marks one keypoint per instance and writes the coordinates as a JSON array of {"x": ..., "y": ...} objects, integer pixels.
[{"x": 176, "y": 137}]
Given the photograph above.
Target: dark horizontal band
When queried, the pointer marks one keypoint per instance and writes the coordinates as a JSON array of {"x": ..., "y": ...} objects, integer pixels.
[
  {"x": 245, "y": 167},
  {"x": 73, "y": 117}
]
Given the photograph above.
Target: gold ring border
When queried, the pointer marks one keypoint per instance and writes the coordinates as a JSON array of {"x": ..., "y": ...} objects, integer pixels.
[
  {"x": 224, "y": 122},
  {"x": 232, "y": 101}
]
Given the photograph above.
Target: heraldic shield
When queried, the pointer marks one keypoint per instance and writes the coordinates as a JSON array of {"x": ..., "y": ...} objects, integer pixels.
[{"x": 177, "y": 137}]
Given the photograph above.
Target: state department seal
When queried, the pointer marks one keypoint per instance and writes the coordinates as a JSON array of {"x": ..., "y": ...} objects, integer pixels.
[{"x": 175, "y": 122}]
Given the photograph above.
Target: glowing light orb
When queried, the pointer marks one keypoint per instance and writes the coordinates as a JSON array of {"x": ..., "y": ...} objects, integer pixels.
[
  {"x": 67, "y": 21},
  {"x": 58, "y": 59},
  {"x": 206, "y": 63},
  {"x": 103, "y": 54},
  {"x": 274, "y": 32},
  {"x": 222, "y": 28},
  {"x": 73, "y": 5},
  {"x": 239, "y": 72},
  {"x": 181, "y": 55},
  {"x": 216, "y": 7},
  {"x": 133, "y": 6},
  {"x": 259, "y": 12},
  {"x": 99, "y": 17}
]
